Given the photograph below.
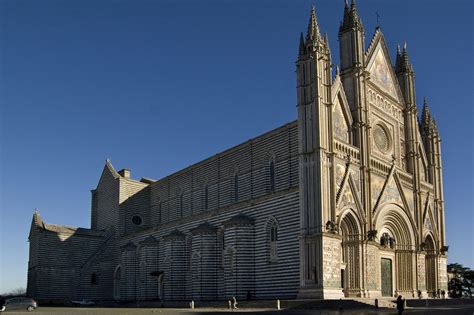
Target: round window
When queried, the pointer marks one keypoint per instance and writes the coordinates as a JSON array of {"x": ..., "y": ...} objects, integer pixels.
[
  {"x": 381, "y": 139},
  {"x": 137, "y": 220}
]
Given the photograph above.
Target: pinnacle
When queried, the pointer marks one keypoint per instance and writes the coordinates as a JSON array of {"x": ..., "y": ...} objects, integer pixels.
[
  {"x": 351, "y": 18},
  {"x": 425, "y": 115},
  {"x": 403, "y": 62},
  {"x": 313, "y": 26},
  {"x": 302, "y": 45}
]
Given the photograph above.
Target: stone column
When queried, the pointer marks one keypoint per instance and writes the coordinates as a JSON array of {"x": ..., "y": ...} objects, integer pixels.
[
  {"x": 174, "y": 266},
  {"x": 204, "y": 262},
  {"x": 239, "y": 268},
  {"x": 148, "y": 257},
  {"x": 129, "y": 264}
]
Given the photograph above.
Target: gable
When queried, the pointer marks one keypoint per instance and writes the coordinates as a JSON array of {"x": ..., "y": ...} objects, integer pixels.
[
  {"x": 342, "y": 120},
  {"x": 347, "y": 196},
  {"x": 391, "y": 193},
  {"x": 380, "y": 67},
  {"x": 381, "y": 72},
  {"x": 341, "y": 128},
  {"x": 108, "y": 174}
]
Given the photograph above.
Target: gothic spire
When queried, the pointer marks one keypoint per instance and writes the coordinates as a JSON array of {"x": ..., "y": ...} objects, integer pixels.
[
  {"x": 351, "y": 18},
  {"x": 425, "y": 114},
  {"x": 313, "y": 27},
  {"x": 302, "y": 49},
  {"x": 403, "y": 62}
]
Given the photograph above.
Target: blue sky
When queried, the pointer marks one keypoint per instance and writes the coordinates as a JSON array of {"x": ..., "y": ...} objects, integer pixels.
[{"x": 158, "y": 85}]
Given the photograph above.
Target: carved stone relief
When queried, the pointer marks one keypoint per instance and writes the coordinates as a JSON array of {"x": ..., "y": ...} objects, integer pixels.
[
  {"x": 421, "y": 272},
  {"x": 385, "y": 105},
  {"x": 376, "y": 186},
  {"x": 372, "y": 274},
  {"x": 442, "y": 274},
  {"x": 428, "y": 225},
  {"x": 391, "y": 193},
  {"x": 332, "y": 262},
  {"x": 340, "y": 171},
  {"x": 341, "y": 130},
  {"x": 409, "y": 198}
]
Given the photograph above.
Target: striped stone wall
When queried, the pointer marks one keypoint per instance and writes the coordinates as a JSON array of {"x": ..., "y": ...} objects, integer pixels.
[
  {"x": 228, "y": 259},
  {"x": 238, "y": 174}
]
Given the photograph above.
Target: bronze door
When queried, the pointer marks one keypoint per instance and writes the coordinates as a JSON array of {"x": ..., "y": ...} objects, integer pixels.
[{"x": 386, "y": 273}]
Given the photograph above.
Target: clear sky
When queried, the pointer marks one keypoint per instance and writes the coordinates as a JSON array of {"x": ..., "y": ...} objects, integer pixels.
[{"x": 158, "y": 85}]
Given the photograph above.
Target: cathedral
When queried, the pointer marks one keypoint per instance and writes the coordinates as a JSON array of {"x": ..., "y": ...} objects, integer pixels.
[{"x": 344, "y": 202}]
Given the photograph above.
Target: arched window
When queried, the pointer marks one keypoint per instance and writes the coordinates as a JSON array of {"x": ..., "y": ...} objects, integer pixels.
[
  {"x": 94, "y": 279},
  {"x": 159, "y": 213},
  {"x": 180, "y": 205},
  {"x": 206, "y": 198},
  {"x": 271, "y": 174},
  {"x": 142, "y": 271},
  {"x": 272, "y": 239},
  {"x": 236, "y": 187},
  {"x": 117, "y": 282}
]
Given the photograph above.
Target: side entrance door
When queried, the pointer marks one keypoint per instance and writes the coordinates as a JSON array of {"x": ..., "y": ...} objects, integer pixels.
[{"x": 386, "y": 273}]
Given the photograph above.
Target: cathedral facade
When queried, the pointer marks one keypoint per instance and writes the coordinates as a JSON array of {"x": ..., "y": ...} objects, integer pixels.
[{"x": 346, "y": 201}]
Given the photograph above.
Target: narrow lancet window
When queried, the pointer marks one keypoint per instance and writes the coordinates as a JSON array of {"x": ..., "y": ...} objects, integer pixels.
[
  {"x": 236, "y": 187},
  {"x": 272, "y": 176}
]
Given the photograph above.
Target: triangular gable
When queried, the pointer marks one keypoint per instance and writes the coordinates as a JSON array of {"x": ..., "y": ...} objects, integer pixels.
[
  {"x": 391, "y": 193},
  {"x": 107, "y": 172},
  {"x": 428, "y": 217},
  {"x": 409, "y": 198},
  {"x": 342, "y": 118},
  {"x": 348, "y": 196},
  {"x": 380, "y": 67},
  {"x": 428, "y": 224},
  {"x": 36, "y": 223}
]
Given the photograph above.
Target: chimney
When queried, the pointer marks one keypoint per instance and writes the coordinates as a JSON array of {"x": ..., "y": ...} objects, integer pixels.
[{"x": 124, "y": 173}]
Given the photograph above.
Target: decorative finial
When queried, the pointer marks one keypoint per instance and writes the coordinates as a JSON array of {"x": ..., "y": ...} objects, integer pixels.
[
  {"x": 302, "y": 45},
  {"x": 313, "y": 27},
  {"x": 405, "y": 46},
  {"x": 398, "y": 49}
]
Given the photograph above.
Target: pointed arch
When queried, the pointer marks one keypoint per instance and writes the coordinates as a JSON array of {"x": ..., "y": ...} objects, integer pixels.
[
  {"x": 271, "y": 172},
  {"x": 342, "y": 118},
  {"x": 272, "y": 230},
  {"x": 117, "y": 282},
  {"x": 350, "y": 222},
  {"x": 205, "y": 196},
  {"x": 393, "y": 218},
  {"x": 351, "y": 229},
  {"x": 236, "y": 186},
  {"x": 428, "y": 215},
  {"x": 430, "y": 264}
]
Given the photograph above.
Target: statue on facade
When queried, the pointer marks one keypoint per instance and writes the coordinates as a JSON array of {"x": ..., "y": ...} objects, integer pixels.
[
  {"x": 371, "y": 235},
  {"x": 332, "y": 227}
]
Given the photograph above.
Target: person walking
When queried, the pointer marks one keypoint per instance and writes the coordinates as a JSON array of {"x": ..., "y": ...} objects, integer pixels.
[
  {"x": 235, "y": 303},
  {"x": 400, "y": 305}
]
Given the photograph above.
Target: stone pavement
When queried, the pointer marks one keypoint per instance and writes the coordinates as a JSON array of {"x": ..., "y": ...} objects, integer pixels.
[{"x": 460, "y": 309}]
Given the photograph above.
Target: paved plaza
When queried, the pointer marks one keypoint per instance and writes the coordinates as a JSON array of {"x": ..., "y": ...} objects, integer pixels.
[{"x": 459, "y": 309}]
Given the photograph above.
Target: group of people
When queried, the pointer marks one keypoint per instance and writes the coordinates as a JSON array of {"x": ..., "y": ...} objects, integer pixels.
[{"x": 436, "y": 294}]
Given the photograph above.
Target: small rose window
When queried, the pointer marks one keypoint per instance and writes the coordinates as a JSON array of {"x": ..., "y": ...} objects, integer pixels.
[
  {"x": 137, "y": 220},
  {"x": 381, "y": 139}
]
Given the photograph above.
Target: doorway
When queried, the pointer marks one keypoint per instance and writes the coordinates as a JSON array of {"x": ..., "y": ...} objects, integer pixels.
[{"x": 386, "y": 274}]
